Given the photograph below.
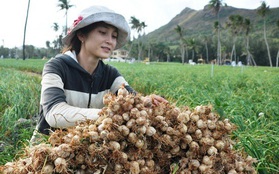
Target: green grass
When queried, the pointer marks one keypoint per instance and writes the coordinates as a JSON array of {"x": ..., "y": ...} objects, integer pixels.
[
  {"x": 19, "y": 98},
  {"x": 30, "y": 65},
  {"x": 239, "y": 94}
]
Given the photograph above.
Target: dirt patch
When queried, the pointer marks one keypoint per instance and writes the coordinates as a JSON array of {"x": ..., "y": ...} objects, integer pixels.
[{"x": 33, "y": 74}]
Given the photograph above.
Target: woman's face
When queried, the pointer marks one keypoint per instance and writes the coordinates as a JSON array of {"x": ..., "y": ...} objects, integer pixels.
[{"x": 101, "y": 41}]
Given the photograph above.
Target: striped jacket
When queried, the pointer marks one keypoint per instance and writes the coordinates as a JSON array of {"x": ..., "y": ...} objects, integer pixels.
[{"x": 70, "y": 94}]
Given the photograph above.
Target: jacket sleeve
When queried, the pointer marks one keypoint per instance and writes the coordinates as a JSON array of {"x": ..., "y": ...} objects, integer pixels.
[
  {"x": 57, "y": 113},
  {"x": 63, "y": 115},
  {"x": 119, "y": 80}
]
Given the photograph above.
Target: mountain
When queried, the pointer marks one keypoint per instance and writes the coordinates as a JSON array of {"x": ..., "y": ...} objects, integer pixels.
[{"x": 196, "y": 22}]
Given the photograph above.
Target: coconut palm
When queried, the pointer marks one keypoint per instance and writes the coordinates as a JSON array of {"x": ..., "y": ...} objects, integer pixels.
[
  {"x": 235, "y": 24},
  {"x": 65, "y": 5},
  {"x": 277, "y": 57},
  {"x": 216, "y": 30},
  {"x": 205, "y": 40},
  {"x": 150, "y": 49},
  {"x": 135, "y": 24},
  {"x": 246, "y": 28},
  {"x": 48, "y": 47},
  {"x": 193, "y": 46},
  {"x": 142, "y": 26},
  {"x": 263, "y": 10},
  {"x": 183, "y": 44},
  {"x": 160, "y": 50},
  {"x": 141, "y": 44},
  {"x": 139, "y": 27},
  {"x": 167, "y": 51},
  {"x": 216, "y": 6},
  {"x": 55, "y": 26},
  {"x": 57, "y": 43},
  {"x": 26, "y": 19}
]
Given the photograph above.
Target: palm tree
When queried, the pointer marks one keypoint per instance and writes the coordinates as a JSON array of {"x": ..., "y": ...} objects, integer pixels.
[
  {"x": 26, "y": 19},
  {"x": 142, "y": 26},
  {"x": 48, "y": 44},
  {"x": 150, "y": 47},
  {"x": 135, "y": 24},
  {"x": 65, "y": 5},
  {"x": 263, "y": 10},
  {"x": 58, "y": 41},
  {"x": 235, "y": 24},
  {"x": 277, "y": 57},
  {"x": 139, "y": 27},
  {"x": 55, "y": 26},
  {"x": 167, "y": 51},
  {"x": 48, "y": 48},
  {"x": 183, "y": 44},
  {"x": 247, "y": 28},
  {"x": 205, "y": 39},
  {"x": 216, "y": 30},
  {"x": 216, "y": 6},
  {"x": 160, "y": 50},
  {"x": 193, "y": 46}
]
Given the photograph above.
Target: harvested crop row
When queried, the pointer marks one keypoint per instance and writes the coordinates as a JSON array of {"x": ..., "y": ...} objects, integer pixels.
[{"x": 132, "y": 135}]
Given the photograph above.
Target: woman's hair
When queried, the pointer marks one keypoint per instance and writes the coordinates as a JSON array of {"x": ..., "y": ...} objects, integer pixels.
[{"x": 75, "y": 43}]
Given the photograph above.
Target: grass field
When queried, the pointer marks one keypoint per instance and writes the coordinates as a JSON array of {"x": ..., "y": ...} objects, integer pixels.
[{"x": 248, "y": 96}]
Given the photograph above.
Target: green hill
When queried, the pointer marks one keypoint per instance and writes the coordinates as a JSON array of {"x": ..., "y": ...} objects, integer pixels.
[{"x": 196, "y": 22}]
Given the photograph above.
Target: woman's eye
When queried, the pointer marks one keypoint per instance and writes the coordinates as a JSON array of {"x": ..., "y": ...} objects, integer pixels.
[{"x": 102, "y": 32}]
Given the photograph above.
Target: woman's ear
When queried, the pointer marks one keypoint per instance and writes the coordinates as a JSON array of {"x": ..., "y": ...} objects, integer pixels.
[{"x": 81, "y": 36}]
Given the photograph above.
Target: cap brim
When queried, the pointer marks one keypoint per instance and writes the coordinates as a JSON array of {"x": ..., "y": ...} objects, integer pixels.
[{"x": 113, "y": 19}]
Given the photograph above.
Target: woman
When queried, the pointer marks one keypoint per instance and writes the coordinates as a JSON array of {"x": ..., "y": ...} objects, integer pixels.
[{"x": 74, "y": 83}]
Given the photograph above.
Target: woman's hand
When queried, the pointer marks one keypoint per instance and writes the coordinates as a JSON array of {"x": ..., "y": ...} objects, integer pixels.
[{"x": 156, "y": 99}]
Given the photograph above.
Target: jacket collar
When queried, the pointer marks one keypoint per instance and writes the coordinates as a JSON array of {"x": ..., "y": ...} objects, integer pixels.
[{"x": 70, "y": 59}]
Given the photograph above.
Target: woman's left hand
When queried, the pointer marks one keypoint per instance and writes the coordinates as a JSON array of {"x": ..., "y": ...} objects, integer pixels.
[{"x": 156, "y": 99}]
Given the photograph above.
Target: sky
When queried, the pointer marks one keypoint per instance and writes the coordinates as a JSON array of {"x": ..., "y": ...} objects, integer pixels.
[{"x": 43, "y": 13}]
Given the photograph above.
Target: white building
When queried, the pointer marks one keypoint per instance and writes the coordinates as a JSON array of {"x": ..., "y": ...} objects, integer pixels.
[{"x": 120, "y": 53}]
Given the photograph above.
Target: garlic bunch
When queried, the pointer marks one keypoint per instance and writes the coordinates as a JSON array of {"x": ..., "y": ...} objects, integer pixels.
[{"x": 134, "y": 136}]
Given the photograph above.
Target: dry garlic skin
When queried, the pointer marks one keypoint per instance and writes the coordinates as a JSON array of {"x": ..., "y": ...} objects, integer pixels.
[{"x": 132, "y": 135}]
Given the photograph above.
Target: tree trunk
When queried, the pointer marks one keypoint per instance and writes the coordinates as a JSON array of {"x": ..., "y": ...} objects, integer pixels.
[
  {"x": 139, "y": 51},
  {"x": 252, "y": 59},
  {"x": 219, "y": 56},
  {"x": 187, "y": 58},
  {"x": 25, "y": 26},
  {"x": 247, "y": 50},
  {"x": 267, "y": 46},
  {"x": 182, "y": 50},
  {"x": 219, "y": 43},
  {"x": 193, "y": 54},
  {"x": 233, "y": 49},
  {"x": 66, "y": 27},
  {"x": 277, "y": 57},
  {"x": 206, "y": 49},
  {"x": 130, "y": 49},
  {"x": 149, "y": 52},
  {"x": 233, "y": 52},
  {"x": 168, "y": 57},
  {"x": 139, "y": 47}
]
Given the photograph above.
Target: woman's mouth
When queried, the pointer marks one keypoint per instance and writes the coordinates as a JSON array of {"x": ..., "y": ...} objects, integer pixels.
[{"x": 106, "y": 49}]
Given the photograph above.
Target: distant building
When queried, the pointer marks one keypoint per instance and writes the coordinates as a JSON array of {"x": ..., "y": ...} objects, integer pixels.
[{"x": 120, "y": 53}]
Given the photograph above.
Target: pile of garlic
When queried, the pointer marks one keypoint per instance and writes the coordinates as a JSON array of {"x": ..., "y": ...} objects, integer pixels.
[{"x": 132, "y": 135}]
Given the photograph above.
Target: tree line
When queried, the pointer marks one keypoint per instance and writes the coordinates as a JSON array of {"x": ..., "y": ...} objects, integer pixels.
[
  {"x": 199, "y": 48},
  {"x": 236, "y": 35}
]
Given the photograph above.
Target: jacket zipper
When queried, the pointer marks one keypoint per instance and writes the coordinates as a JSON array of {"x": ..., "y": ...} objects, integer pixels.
[{"x": 90, "y": 92}]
